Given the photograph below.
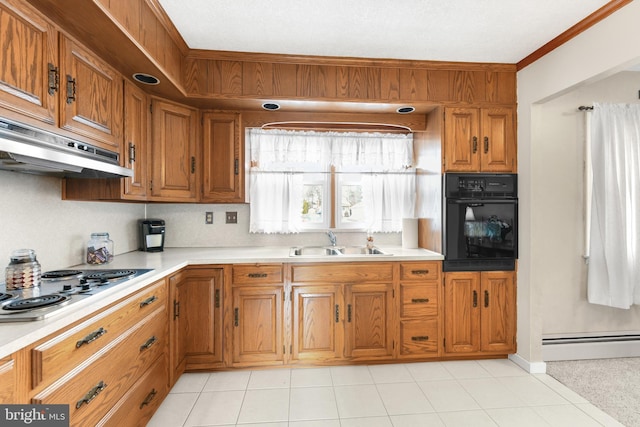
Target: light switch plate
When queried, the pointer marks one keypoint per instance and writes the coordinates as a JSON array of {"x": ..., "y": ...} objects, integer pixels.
[
  {"x": 208, "y": 217},
  {"x": 232, "y": 217}
]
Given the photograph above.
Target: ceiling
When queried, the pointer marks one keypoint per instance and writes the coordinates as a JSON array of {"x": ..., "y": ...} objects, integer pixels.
[{"x": 496, "y": 31}]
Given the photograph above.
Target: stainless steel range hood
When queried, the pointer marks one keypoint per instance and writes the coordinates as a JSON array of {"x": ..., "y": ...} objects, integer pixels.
[{"x": 27, "y": 149}]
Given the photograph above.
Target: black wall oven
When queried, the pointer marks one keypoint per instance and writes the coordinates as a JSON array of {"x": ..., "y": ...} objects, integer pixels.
[{"x": 480, "y": 230}]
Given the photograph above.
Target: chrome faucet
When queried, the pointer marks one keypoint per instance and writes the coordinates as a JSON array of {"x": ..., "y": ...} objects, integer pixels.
[{"x": 332, "y": 237}]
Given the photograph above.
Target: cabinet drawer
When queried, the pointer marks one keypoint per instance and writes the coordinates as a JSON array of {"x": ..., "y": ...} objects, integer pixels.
[
  {"x": 256, "y": 274},
  {"x": 63, "y": 352},
  {"x": 418, "y": 337},
  {"x": 418, "y": 299},
  {"x": 138, "y": 405},
  {"x": 94, "y": 387},
  {"x": 343, "y": 273},
  {"x": 420, "y": 270}
]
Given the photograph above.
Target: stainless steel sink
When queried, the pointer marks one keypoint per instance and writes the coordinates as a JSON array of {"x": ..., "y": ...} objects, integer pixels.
[{"x": 322, "y": 251}]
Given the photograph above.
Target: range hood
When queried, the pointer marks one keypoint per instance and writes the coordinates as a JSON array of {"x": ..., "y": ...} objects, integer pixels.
[{"x": 27, "y": 149}]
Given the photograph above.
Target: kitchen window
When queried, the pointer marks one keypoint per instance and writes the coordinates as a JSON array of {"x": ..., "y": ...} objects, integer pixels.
[{"x": 309, "y": 181}]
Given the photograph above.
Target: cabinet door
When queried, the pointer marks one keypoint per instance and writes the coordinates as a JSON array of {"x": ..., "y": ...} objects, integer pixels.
[
  {"x": 136, "y": 133},
  {"x": 498, "y": 140},
  {"x": 461, "y": 139},
  {"x": 8, "y": 382},
  {"x": 91, "y": 100},
  {"x": 498, "y": 311},
  {"x": 462, "y": 312},
  {"x": 177, "y": 327},
  {"x": 317, "y": 322},
  {"x": 257, "y": 325},
  {"x": 201, "y": 313},
  {"x": 29, "y": 74},
  {"x": 368, "y": 320},
  {"x": 173, "y": 152},
  {"x": 222, "y": 159}
]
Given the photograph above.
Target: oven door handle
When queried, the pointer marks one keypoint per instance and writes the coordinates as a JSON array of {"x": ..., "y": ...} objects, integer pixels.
[{"x": 476, "y": 202}]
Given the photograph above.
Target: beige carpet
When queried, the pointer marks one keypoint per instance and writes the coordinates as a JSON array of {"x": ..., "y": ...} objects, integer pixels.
[{"x": 612, "y": 385}]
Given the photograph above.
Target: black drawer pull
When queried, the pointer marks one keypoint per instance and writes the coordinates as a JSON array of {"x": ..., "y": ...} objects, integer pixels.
[
  {"x": 91, "y": 394},
  {"x": 419, "y": 300},
  {"x": 148, "y": 301},
  {"x": 91, "y": 337},
  {"x": 486, "y": 144},
  {"x": 71, "y": 89},
  {"x": 149, "y": 398},
  {"x": 257, "y": 275},
  {"x": 475, "y": 144},
  {"x": 349, "y": 313},
  {"x": 419, "y": 271},
  {"x": 337, "y": 313},
  {"x": 486, "y": 299},
  {"x": 151, "y": 341},
  {"x": 475, "y": 298},
  {"x": 420, "y": 338}
]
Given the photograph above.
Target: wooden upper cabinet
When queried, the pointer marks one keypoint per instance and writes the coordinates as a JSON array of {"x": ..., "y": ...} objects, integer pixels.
[
  {"x": 222, "y": 159},
  {"x": 91, "y": 101},
  {"x": 28, "y": 74},
  {"x": 479, "y": 139},
  {"x": 135, "y": 153},
  {"x": 174, "y": 145}
]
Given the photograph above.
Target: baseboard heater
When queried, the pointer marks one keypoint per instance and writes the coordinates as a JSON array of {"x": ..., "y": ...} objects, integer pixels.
[{"x": 590, "y": 347}]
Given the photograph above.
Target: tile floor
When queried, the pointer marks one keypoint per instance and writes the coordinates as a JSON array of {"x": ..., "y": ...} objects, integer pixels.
[{"x": 458, "y": 393}]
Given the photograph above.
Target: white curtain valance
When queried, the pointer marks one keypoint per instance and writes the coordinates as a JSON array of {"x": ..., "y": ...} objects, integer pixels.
[{"x": 273, "y": 149}]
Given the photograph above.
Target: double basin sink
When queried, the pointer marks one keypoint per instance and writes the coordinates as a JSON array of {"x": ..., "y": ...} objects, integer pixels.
[{"x": 329, "y": 251}]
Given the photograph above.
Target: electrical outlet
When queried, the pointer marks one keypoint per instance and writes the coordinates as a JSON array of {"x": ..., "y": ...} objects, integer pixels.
[
  {"x": 208, "y": 217},
  {"x": 232, "y": 217}
]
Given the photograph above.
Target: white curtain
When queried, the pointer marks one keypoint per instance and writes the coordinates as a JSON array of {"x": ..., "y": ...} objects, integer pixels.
[
  {"x": 614, "y": 258},
  {"x": 279, "y": 158}
]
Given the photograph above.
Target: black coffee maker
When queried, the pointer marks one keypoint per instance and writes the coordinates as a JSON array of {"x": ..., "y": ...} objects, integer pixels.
[{"x": 151, "y": 235}]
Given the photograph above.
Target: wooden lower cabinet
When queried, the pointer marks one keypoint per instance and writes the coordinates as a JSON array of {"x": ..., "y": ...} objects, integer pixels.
[
  {"x": 480, "y": 312},
  {"x": 8, "y": 380}
]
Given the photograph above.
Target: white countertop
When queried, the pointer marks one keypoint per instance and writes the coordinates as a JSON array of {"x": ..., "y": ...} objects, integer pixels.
[{"x": 16, "y": 335}]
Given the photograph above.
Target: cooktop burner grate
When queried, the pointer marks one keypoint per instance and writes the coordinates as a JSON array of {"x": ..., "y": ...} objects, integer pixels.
[
  {"x": 4, "y": 297},
  {"x": 35, "y": 302},
  {"x": 61, "y": 274},
  {"x": 109, "y": 275}
]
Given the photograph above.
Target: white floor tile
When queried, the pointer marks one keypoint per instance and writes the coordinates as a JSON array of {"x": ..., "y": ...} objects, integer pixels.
[
  {"x": 462, "y": 369},
  {"x": 315, "y": 423},
  {"x": 174, "y": 410},
  {"x": 270, "y": 378},
  {"x": 467, "y": 419},
  {"x": 216, "y": 408},
  {"x": 390, "y": 374},
  {"x": 351, "y": 375},
  {"x": 366, "y": 422},
  {"x": 264, "y": 406},
  {"x": 560, "y": 388},
  {"x": 311, "y": 377},
  {"x": 227, "y": 380},
  {"x": 532, "y": 392},
  {"x": 280, "y": 424},
  {"x": 490, "y": 393},
  {"x": 565, "y": 415},
  {"x": 502, "y": 368},
  {"x": 404, "y": 398},
  {"x": 598, "y": 415},
  {"x": 417, "y": 420},
  {"x": 448, "y": 395},
  {"x": 312, "y": 403},
  {"x": 358, "y": 401},
  {"x": 428, "y": 371},
  {"x": 190, "y": 383},
  {"x": 517, "y": 417}
]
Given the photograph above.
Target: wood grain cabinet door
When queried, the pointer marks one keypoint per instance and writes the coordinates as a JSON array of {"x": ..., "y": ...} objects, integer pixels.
[
  {"x": 317, "y": 322},
  {"x": 498, "y": 311},
  {"x": 8, "y": 381},
  {"x": 135, "y": 149},
  {"x": 257, "y": 325},
  {"x": 29, "y": 78},
  {"x": 462, "y": 139},
  {"x": 462, "y": 312},
  {"x": 369, "y": 331},
  {"x": 91, "y": 100},
  {"x": 498, "y": 140},
  {"x": 222, "y": 159}
]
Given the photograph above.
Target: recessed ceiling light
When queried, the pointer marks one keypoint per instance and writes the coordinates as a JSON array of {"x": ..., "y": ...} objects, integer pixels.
[
  {"x": 405, "y": 110},
  {"x": 272, "y": 106},
  {"x": 147, "y": 79}
]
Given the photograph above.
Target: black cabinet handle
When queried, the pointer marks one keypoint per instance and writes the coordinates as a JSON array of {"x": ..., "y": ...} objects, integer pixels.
[
  {"x": 148, "y": 301},
  {"x": 71, "y": 89},
  {"x": 419, "y": 271},
  {"x": 486, "y": 144},
  {"x": 236, "y": 167},
  {"x": 132, "y": 152},
  {"x": 349, "y": 313},
  {"x": 216, "y": 298},
  {"x": 193, "y": 164},
  {"x": 486, "y": 299},
  {"x": 475, "y": 144},
  {"x": 91, "y": 337},
  {"x": 151, "y": 341},
  {"x": 419, "y": 300},
  {"x": 176, "y": 309},
  {"x": 257, "y": 275},
  {"x": 420, "y": 338},
  {"x": 149, "y": 398},
  {"x": 337, "y": 313},
  {"x": 475, "y": 298},
  {"x": 91, "y": 394},
  {"x": 54, "y": 79},
  {"x": 236, "y": 316}
]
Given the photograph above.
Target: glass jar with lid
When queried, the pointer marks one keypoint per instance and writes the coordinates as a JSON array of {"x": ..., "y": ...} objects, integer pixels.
[
  {"x": 23, "y": 271},
  {"x": 99, "y": 249}
]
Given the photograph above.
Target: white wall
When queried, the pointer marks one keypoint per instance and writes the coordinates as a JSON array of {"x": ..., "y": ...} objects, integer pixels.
[
  {"x": 599, "y": 52},
  {"x": 33, "y": 216}
]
